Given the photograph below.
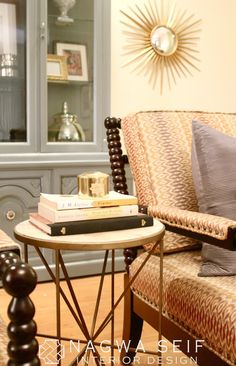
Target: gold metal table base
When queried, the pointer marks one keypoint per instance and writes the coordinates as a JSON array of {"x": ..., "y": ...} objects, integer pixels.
[{"x": 92, "y": 334}]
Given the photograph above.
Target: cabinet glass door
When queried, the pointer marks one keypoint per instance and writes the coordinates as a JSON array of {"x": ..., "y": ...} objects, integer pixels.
[
  {"x": 13, "y": 71},
  {"x": 70, "y": 71}
]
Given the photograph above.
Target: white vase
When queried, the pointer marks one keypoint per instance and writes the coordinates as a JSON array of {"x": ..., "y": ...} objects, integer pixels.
[{"x": 64, "y": 6}]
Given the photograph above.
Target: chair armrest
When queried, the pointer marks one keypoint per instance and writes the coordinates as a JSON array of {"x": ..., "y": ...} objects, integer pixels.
[
  {"x": 7, "y": 244},
  {"x": 215, "y": 230}
]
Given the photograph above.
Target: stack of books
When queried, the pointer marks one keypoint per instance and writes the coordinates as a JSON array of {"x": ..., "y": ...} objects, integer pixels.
[{"x": 69, "y": 214}]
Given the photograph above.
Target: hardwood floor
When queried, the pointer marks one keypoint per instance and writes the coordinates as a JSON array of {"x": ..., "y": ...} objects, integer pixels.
[{"x": 86, "y": 290}]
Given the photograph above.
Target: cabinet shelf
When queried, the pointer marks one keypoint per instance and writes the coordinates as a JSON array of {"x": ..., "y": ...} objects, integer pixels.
[
  {"x": 70, "y": 82},
  {"x": 53, "y": 17}
]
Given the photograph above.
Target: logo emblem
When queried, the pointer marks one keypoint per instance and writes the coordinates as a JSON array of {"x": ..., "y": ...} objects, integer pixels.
[{"x": 51, "y": 352}]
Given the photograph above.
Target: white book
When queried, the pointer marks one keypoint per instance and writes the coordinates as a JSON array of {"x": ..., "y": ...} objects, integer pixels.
[
  {"x": 72, "y": 201},
  {"x": 85, "y": 213}
]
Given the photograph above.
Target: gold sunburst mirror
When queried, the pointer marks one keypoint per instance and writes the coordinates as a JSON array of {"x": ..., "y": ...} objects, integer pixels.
[{"x": 161, "y": 41}]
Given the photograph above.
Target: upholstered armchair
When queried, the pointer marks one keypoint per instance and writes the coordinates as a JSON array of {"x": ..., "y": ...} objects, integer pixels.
[
  {"x": 18, "y": 345},
  {"x": 198, "y": 299}
]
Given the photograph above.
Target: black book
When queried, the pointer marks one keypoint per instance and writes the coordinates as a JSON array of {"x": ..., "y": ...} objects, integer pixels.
[{"x": 91, "y": 226}]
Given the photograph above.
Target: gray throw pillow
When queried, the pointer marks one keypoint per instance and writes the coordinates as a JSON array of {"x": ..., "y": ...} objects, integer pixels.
[{"x": 214, "y": 176}]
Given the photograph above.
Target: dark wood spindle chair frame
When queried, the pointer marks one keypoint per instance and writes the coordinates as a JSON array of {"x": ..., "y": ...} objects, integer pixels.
[{"x": 19, "y": 280}]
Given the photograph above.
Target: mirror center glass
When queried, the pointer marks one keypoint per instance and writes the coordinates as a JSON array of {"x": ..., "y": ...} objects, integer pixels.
[{"x": 164, "y": 40}]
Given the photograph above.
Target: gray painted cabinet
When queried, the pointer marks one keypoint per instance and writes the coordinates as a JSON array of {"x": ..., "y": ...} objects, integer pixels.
[{"x": 29, "y": 162}]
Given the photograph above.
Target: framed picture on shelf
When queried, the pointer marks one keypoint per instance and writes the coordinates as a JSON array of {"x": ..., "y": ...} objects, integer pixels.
[
  {"x": 76, "y": 59},
  {"x": 56, "y": 68}
]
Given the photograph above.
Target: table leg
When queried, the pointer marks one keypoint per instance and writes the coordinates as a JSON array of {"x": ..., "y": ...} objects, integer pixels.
[
  {"x": 98, "y": 298},
  {"x": 99, "y": 293},
  {"x": 112, "y": 302},
  {"x": 59, "y": 263},
  {"x": 109, "y": 315},
  {"x": 160, "y": 300},
  {"x": 83, "y": 327},
  {"x": 61, "y": 290},
  {"x": 58, "y": 305}
]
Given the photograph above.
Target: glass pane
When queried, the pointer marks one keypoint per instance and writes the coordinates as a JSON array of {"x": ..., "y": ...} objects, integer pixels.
[
  {"x": 13, "y": 71},
  {"x": 70, "y": 70}
]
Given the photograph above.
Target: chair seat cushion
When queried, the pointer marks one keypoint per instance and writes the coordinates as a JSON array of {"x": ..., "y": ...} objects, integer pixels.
[
  {"x": 3, "y": 343},
  {"x": 6, "y": 243},
  {"x": 205, "y": 306}
]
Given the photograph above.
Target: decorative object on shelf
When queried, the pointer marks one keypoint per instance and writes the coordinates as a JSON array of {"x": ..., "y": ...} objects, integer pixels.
[
  {"x": 8, "y": 65},
  {"x": 162, "y": 42},
  {"x": 56, "y": 68},
  {"x": 65, "y": 127},
  {"x": 76, "y": 58},
  {"x": 8, "y": 43},
  {"x": 18, "y": 135},
  {"x": 94, "y": 184},
  {"x": 64, "y": 6}
]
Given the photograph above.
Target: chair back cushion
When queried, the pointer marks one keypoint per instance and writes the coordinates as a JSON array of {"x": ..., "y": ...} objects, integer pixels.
[
  {"x": 214, "y": 176},
  {"x": 158, "y": 145}
]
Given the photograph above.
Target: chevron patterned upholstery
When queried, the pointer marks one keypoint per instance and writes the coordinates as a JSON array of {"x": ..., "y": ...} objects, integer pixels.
[
  {"x": 206, "y": 307},
  {"x": 158, "y": 144},
  {"x": 161, "y": 166}
]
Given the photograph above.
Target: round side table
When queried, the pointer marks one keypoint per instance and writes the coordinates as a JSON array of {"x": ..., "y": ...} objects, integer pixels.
[{"x": 107, "y": 241}]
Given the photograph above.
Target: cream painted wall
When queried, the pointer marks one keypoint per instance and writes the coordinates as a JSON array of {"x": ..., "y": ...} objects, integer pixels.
[{"x": 211, "y": 89}]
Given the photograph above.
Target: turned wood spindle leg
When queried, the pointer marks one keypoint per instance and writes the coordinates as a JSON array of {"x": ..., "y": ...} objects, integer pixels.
[
  {"x": 115, "y": 152},
  {"x": 19, "y": 280},
  {"x": 130, "y": 254}
]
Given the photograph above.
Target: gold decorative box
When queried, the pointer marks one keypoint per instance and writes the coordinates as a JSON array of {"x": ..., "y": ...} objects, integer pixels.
[{"x": 93, "y": 184}]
